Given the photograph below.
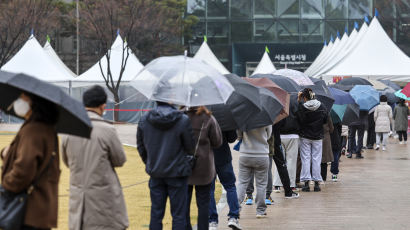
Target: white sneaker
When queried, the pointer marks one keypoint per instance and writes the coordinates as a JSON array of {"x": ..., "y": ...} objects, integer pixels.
[
  {"x": 213, "y": 226},
  {"x": 260, "y": 216},
  {"x": 401, "y": 142},
  {"x": 234, "y": 224},
  {"x": 377, "y": 147},
  {"x": 384, "y": 148}
]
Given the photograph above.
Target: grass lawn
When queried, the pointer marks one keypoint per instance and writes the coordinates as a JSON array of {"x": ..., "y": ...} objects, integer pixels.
[{"x": 135, "y": 187}]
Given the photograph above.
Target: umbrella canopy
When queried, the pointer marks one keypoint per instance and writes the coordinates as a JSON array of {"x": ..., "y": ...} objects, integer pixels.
[
  {"x": 365, "y": 96},
  {"x": 322, "y": 93},
  {"x": 391, "y": 97},
  {"x": 271, "y": 107},
  {"x": 354, "y": 81},
  {"x": 401, "y": 95},
  {"x": 378, "y": 85},
  {"x": 73, "y": 118},
  {"x": 341, "y": 97},
  {"x": 182, "y": 80},
  {"x": 281, "y": 94},
  {"x": 345, "y": 88},
  {"x": 285, "y": 83},
  {"x": 299, "y": 77},
  {"x": 346, "y": 114},
  {"x": 391, "y": 84},
  {"x": 241, "y": 105},
  {"x": 406, "y": 90}
]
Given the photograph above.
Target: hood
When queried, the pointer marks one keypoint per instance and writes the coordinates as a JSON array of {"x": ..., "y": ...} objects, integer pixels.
[
  {"x": 312, "y": 105},
  {"x": 164, "y": 117}
]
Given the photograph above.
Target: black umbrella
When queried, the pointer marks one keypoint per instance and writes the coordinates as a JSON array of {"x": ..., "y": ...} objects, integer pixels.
[
  {"x": 346, "y": 88},
  {"x": 285, "y": 83},
  {"x": 241, "y": 105},
  {"x": 354, "y": 81},
  {"x": 73, "y": 118},
  {"x": 352, "y": 114},
  {"x": 271, "y": 107},
  {"x": 391, "y": 84},
  {"x": 322, "y": 93},
  {"x": 391, "y": 97}
]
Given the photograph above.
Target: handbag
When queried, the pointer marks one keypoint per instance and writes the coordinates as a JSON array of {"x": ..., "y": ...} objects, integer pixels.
[
  {"x": 192, "y": 158},
  {"x": 13, "y": 205}
]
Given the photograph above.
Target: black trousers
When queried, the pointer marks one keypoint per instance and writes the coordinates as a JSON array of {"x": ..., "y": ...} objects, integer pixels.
[
  {"x": 323, "y": 171},
  {"x": 203, "y": 196},
  {"x": 402, "y": 134},
  {"x": 353, "y": 147}
]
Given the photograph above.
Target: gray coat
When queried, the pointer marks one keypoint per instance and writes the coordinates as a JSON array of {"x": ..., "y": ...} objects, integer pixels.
[
  {"x": 400, "y": 117},
  {"x": 96, "y": 198},
  {"x": 327, "y": 153},
  {"x": 383, "y": 117}
]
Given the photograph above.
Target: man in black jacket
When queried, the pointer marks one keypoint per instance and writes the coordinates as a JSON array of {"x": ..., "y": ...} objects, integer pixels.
[
  {"x": 357, "y": 127},
  {"x": 164, "y": 140}
]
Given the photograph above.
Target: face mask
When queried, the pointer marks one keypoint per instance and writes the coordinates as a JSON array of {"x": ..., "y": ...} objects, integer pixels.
[{"x": 21, "y": 107}]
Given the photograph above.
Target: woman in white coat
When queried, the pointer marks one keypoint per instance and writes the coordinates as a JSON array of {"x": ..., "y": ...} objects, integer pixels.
[{"x": 383, "y": 116}]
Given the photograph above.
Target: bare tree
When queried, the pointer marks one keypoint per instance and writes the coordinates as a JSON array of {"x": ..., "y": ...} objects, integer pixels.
[
  {"x": 18, "y": 17},
  {"x": 151, "y": 28}
]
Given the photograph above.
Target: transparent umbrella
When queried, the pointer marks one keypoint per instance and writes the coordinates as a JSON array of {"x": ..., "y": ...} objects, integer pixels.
[
  {"x": 182, "y": 80},
  {"x": 297, "y": 76}
]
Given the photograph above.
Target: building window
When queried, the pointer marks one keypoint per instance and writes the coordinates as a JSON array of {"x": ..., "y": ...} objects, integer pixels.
[
  {"x": 217, "y": 8},
  {"x": 312, "y": 9},
  {"x": 196, "y": 7},
  {"x": 288, "y": 9},
  {"x": 360, "y": 8},
  {"x": 241, "y": 9},
  {"x": 288, "y": 30},
  {"x": 265, "y": 31},
  {"x": 336, "y": 9},
  {"x": 241, "y": 31},
  {"x": 264, "y": 8}
]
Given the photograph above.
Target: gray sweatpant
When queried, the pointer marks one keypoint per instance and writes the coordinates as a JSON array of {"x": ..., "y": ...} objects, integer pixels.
[
  {"x": 311, "y": 156},
  {"x": 259, "y": 167},
  {"x": 291, "y": 148}
]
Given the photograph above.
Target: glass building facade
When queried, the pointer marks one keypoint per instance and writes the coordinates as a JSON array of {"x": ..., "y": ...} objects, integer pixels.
[{"x": 294, "y": 30}]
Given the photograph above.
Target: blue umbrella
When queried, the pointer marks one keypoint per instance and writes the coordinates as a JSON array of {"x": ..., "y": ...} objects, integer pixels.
[
  {"x": 365, "y": 96},
  {"x": 341, "y": 97},
  {"x": 391, "y": 84}
]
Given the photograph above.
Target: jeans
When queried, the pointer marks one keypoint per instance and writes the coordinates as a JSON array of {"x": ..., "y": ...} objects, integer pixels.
[
  {"x": 250, "y": 188},
  {"x": 334, "y": 167},
  {"x": 311, "y": 157},
  {"x": 203, "y": 194},
  {"x": 402, "y": 134},
  {"x": 291, "y": 148},
  {"x": 353, "y": 147},
  {"x": 379, "y": 135},
  {"x": 176, "y": 190},
  {"x": 257, "y": 166},
  {"x": 227, "y": 178}
]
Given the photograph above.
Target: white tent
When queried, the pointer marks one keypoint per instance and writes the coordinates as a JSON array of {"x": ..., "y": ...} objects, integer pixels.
[
  {"x": 54, "y": 57},
  {"x": 32, "y": 60},
  {"x": 117, "y": 59},
  {"x": 375, "y": 57},
  {"x": 265, "y": 66},
  {"x": 319, "y": 59},
  {"x": 332, "y": 47},
  {"x": 205, "y": 54}
]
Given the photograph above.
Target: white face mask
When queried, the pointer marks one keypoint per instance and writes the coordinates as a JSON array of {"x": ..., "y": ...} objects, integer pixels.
[{"x": 21, "y": 107}]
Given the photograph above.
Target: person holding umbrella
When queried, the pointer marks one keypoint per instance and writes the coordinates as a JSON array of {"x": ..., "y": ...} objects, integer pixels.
[
  {"x": 383, "y": 118},
  {"x": 31, "y": 161},
  {"x": 400, "y": 116},
  {"x": 312, "y": 116},
  {"x": 104, "y": 152},
  {"x": 208, "y": 136}
]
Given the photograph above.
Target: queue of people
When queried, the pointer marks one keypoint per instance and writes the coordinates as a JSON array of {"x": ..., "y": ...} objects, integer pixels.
[{"x": 183, "y": 150}]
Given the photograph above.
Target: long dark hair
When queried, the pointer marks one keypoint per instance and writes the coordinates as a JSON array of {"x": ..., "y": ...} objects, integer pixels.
[{"x": 43, "y": 110}]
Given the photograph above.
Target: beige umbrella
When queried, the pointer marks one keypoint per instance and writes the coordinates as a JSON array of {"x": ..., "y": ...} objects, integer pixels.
[{"x": 378, "y": 85}]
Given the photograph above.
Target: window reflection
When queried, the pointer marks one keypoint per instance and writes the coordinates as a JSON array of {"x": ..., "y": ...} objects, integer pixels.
[
  {"x": 217, "y": 8},
  {"x": 196, "y": 7},
  {"x": 265, "y": 8}
]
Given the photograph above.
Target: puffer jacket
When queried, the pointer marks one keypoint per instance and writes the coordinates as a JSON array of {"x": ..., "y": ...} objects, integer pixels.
[
  {"x": 383, "y": 116},
  {"x": 312, "y": 115}
]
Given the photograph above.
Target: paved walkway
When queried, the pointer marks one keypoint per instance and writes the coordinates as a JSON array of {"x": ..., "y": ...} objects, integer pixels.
[{"x": 373, "y": 193}]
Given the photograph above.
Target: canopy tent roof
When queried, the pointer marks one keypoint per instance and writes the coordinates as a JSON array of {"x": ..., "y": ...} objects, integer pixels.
[
  {"x": 331, "y": 48},
  {"x": 118, "y": 53},
  {"x": 32, "y": 60},
  {"x": 265, "y": 66},
  {"x": 376, "y": 57},
  {"x": 53, "y": 55},
  {"x": 205, "y": 54}
]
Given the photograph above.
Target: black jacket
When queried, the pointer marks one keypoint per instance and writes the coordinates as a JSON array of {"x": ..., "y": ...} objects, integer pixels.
[
  {"x": 311, "y": 119},
  {"x": 223, "y": 153},
  {"x": 291, "y": 123},
  {"x": 164, "y": 138}
]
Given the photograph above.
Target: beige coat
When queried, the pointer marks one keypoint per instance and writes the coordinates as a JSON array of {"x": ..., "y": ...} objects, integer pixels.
[
  {"x": 96, "y": 198},
  {"x": 383, "y": 117},
  {"x": 28, "y": 155}
]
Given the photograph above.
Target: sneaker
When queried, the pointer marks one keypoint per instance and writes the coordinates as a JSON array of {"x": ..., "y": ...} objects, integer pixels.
[
  {"x": 234, "y": 223},
  {"x": 349, "y": 155},
  {"x": 370, "y": 147},
  {"x": 294, "y": 195},
  {"x": 384, "y": 148},
  {"x": 260, "y": 216},
  {"x": 343, "y": 151},
  {"x": 401, "y": 142},
  {"x": 276, "y": 189},
  {"x": 249, "y": 200},
  {"x": 269, "y": 201},
  {"x": 306, "y": 187},
  {"x": 317, "y": 187},
  {"x": 377, "y": 147},
  {"x": 295, "y": 189},
  {"x": 334, "y": 178},
  {"x": 213, "y": 226}
]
